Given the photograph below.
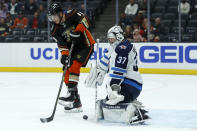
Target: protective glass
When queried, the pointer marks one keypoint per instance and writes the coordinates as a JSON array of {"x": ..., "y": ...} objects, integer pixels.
[{"x": 53, "y": 17}]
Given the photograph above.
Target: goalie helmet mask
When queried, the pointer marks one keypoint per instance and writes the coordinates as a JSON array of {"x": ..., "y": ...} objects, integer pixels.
[
  {"x": 115, "y": 35},
  {"x": 54, "y": 10}
]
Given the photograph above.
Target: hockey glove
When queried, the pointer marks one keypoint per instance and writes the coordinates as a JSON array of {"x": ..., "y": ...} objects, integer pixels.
[
  {"x": 113, "y": 94},
  {"x": 74, "y": 36},
  {"x": 64, "y": 60}
]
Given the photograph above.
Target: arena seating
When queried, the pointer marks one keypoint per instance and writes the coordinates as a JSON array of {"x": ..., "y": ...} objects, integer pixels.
[{"x": 94, "y": 9}]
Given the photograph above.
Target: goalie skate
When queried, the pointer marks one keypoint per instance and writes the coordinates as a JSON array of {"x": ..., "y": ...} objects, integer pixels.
[{"x": 140, "y": 117}]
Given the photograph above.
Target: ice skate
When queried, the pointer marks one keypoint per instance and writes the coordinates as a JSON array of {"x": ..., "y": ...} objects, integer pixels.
[
  {"x": 71, "y": 102},
  {"x": 140, "y": 116}
]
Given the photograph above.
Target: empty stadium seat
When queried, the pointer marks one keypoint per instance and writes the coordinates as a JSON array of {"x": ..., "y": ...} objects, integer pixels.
[
  {"x": 163, "y": 38},
  {"x": 17, "y": 32},
  {"x": 191, "y": 30},
  {"x": 172, "y": 9},
  {"x": 193, "y": 2},
  {"x": 38, "y": 39},
  {"x": 2, "y": 38},
  {"x": 24, "y": 39},
  {"x": 175, "y": 29},
  {"x": 43, "y": 32},
  {"x": 193, "y": 8},
  {"x": 30, "y": 32},
  {"x": 169, "y": 16},
  {"x": 155, "y": 15},
  {"x": 172, "y": 37},
  {"x": 194, "y": 16},
  {"x": 192, "y": 23},
  {"x": 10, "y": 38},
  {"x": 166, "y": 22},
  {"x": 173, "y": 2},
  {"x": 167, "y": 30},
  {"x": 184, "y": 16},
  {"x": 159, "y": 9},
  {"x": 183, "y": 23},
  {"x": 153, "y": 2},
  {"x": 187, "y": 38},
  {"x": 161, "y": 2}
]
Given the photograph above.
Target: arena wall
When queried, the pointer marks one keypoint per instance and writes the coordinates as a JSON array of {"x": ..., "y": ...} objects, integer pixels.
[{"x": 153, "y": 58}]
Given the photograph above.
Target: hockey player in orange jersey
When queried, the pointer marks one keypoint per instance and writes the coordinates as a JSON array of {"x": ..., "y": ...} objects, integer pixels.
[{"x": 71, "y": 27}]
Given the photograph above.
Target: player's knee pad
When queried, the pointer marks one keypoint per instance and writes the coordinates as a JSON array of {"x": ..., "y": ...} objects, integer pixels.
[
  {"x": 74, "y": 71},
  {"x": 75, "y": 67},
  {"x": 66, "y": 77}
]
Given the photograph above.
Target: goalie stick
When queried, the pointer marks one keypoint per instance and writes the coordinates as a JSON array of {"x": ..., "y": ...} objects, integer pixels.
[
  {"x": 97, "y": 42},
  {"x": 45, "y": 120}
]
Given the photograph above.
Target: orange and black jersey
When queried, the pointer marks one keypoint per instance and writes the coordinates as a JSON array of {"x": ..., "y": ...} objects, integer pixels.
[{"x": 74, "y": 21}]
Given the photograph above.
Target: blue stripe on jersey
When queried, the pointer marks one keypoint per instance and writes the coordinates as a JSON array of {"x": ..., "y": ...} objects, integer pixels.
[
  {"x": 128, "y": 82},
  {"x": 116, "y": 76},
  {"x": 106, "y": 57},
  {"x": 119, "y": 70},
  {"x": 105, "y": 64}
]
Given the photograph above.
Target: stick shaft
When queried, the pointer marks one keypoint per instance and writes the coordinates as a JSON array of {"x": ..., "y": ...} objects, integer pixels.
[
  {"x": 97, "y": 55},
  {"x": 60, "y": 88}
]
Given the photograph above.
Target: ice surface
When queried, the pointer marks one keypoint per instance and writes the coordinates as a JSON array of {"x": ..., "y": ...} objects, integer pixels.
[{"x": 26, "y": 97}]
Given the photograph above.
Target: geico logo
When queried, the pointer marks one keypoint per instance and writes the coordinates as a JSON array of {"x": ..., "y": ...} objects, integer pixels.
[
  {"x": 168, "y": 54},
  {"x": 46, "y": 53}
]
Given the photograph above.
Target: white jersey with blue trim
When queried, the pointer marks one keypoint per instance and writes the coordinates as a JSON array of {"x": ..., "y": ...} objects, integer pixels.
[{"x": 121, "y": 62}]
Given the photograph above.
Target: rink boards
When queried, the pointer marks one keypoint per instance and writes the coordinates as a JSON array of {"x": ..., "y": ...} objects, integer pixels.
[{"x": 153, "y": 58}]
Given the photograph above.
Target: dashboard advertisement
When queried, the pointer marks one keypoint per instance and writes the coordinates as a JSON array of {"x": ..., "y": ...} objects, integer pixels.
[{"x": 150, "y": 55}]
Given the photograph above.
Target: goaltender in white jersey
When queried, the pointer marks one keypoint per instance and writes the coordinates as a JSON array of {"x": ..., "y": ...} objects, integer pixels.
[{"x": 124, "y": 82}]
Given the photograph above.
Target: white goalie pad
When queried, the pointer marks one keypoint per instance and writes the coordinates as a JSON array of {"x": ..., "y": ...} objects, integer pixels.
[
  {"x": 118, "y": 113},
  {"x": 95, "y": 75},
  {"x": 91, "y": 78}
]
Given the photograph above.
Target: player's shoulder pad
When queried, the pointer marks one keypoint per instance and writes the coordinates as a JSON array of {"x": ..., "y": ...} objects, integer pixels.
[{"x": 124, "y": 47}]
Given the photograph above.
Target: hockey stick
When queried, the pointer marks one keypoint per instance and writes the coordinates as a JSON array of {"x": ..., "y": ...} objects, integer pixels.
[
  {"x": 97, "y": 42},
  {"x": 45, "y": 120}
]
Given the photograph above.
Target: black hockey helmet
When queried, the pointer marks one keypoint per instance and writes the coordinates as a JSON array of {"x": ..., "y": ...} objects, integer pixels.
[{"x": 54, "y": 9}]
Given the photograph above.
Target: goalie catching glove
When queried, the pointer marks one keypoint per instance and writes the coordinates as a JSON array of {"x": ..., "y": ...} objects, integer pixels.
[{"x": 96, "y": 75}]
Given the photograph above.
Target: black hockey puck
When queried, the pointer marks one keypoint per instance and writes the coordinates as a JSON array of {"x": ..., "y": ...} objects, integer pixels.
[{"x": 85, "y": 117}]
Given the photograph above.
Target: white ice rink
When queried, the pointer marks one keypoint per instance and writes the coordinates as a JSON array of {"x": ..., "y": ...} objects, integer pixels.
[{"x": 26, "y": 97}]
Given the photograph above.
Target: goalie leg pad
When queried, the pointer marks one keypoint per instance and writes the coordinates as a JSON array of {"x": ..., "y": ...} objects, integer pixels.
[
  {"x": 91, "y": 78},
  {"x": 99, "y": 110},
  {"x": 123, "y": 112}
]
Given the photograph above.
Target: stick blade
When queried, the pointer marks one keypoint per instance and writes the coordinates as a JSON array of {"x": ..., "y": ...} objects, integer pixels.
[{"x": 45, "y": 120}]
